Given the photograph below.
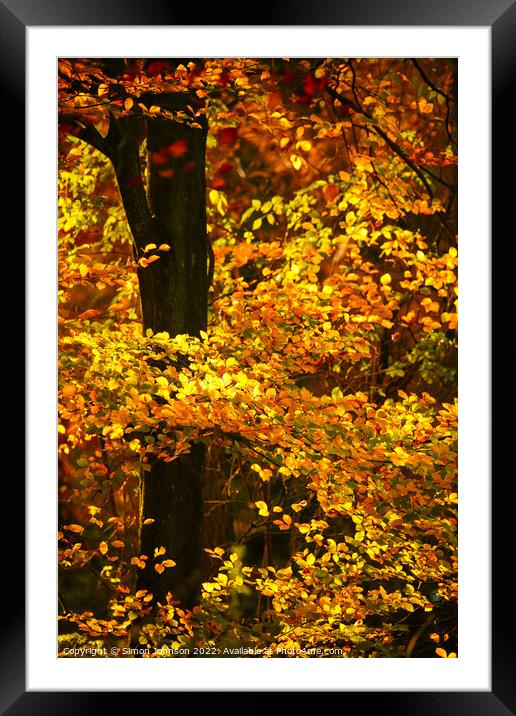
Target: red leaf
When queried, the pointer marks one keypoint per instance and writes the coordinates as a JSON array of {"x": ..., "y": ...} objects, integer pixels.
[
  {"x": 159, "y": 158},
  {"x": 224, "y": 79},
  {"x": 227, "y": 136},
  {"x": 310, "y": 85},
  {"x": 177, "y": 149},
  {"x": 224, "y": 167},
  {"x": 157, "y": 67}
]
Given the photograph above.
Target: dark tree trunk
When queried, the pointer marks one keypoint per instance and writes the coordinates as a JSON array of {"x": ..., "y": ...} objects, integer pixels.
[
  {"x": 174, "y": 298},
  {"x": 179, "y": 279}
]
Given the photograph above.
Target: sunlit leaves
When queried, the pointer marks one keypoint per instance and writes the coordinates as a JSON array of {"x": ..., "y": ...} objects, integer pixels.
[
  {"x": 165, "y": 564},
  {"x": 297, "y": 161},
  {"x": 385, "y": 279},
  {"x": 140, "y": 562},
  {"x": 263, "y": 510},
  {"x": 74, "y": 528}
]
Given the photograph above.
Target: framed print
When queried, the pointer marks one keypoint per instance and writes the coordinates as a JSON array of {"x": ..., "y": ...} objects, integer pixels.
[{"x": 256, "y": 291}]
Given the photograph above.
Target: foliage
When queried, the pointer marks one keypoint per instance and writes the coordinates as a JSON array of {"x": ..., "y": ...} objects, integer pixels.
[{"x": 324, "y": 388}]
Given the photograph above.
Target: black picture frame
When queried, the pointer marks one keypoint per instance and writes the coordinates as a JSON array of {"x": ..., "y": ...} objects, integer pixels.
[{"x": 15, "y": 17}]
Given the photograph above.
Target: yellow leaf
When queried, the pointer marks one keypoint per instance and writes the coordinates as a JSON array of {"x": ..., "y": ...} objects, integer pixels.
[
  {"x": 103, "y": 548},
  {"x": 148, "y": 521},
  {"x": 128, "y": 103},
  {"x": 83, "y": 270},
  {"x": 263, "y": 510},
  {"x": 305, "y": 145},
  {"x": 296, "y": 161},
  {"x": 159, "y": 568},
  {"x": 159, "y": 550},
  {"x": 385, "y": 279},
  {"x": 298, "y": 506},
  {"x": 266, "y": 474}
]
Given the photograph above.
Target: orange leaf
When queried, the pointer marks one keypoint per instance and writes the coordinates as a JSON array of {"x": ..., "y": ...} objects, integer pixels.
[
  {"x": 90, "y": 313},
  {"x": 68, "y": 390},
  {"x": 330, "y": 192}
]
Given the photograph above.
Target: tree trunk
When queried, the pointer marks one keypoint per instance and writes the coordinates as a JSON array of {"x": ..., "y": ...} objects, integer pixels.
[{"x": 174, "y": 298}]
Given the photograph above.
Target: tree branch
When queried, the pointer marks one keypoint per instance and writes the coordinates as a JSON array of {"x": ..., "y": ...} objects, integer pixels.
[
  {"x": 88, "y": 133},
  {"x": 426, "y": 79},
  {"x": 419, "y": 171}
]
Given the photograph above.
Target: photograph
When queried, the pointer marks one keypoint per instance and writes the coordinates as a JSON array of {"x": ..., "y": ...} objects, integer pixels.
[
  {"x": 258, "y": 366},
  {"x": 257, "y": 357}
]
